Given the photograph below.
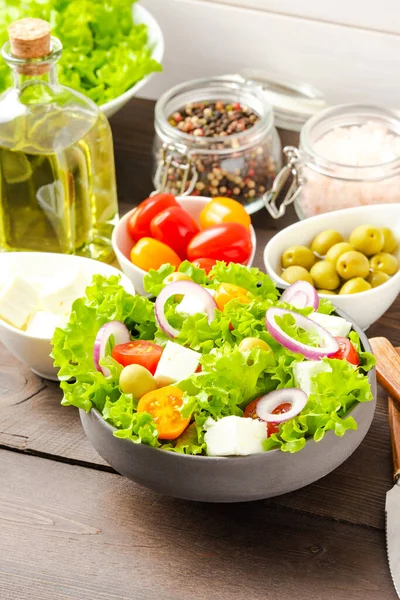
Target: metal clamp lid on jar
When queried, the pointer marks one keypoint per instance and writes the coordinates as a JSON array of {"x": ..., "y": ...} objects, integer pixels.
[
  {"x": 177, "y": 154},
  {"x": 287, "y": 183},
  {"x": 184, "y": 166}
]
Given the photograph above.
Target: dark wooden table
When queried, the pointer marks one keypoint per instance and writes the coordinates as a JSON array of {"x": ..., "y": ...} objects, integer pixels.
[{"x": 70, "y": 527}]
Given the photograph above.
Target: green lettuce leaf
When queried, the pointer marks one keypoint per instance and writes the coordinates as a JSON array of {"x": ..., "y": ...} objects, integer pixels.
[
  {"x": 249, "y": 372},
  {"x": 288, "y": 324},
  {"x": 153, "y": 281},
  {"x": 367, "y": 360},
  {"x": 134, "y": 426},
  {"x": 251, "y": 279},
  {"x": 191, "y": 441},
  {"x": 325, "y": 306}
]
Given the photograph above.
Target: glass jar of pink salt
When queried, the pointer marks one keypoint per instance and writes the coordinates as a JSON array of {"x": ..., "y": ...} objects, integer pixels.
[{"x": 348, "y": 155}]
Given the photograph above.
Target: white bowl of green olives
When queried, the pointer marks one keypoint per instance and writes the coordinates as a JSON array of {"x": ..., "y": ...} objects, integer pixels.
[{"x": 351, "y": 257}]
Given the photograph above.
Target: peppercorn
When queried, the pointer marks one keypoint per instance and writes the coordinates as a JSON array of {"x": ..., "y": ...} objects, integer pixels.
[{"x": 244, "y": 174}]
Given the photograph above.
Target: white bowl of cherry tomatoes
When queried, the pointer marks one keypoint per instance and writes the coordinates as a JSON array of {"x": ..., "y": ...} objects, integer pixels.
[{"x": 164, "y": 229}]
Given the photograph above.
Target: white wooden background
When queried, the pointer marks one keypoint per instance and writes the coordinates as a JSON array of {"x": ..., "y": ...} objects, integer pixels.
[{"x": 349, "y": 49}]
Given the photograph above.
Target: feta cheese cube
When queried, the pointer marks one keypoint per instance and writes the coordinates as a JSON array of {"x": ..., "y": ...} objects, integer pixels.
[
  {"x": 18, "y": 301},
  {"x": 234, "y": 436},
  {"x": 43, "y": 324},
  {"x": 336, "y": 326},
  {"x": 59, "y": 294},
  {"x": 176, "y": 363},
  {"x": 303, "y": 372}
]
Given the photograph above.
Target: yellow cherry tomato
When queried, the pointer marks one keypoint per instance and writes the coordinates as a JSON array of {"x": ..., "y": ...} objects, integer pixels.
[
  {"x": 151, "y": 254},
  {"x": 164, "y": 405},
  {"x": 228, "y": 291},
  {"x": 223, "y": 210}
]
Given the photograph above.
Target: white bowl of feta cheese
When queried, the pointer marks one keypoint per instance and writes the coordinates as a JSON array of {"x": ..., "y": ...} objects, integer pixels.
[
  {"x": 363, "y": 307},
  {"x": 36, "y": 295}
]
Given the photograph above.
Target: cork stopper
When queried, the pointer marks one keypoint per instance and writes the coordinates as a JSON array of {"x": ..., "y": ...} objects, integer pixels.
[{"x": 30, "y": 38}]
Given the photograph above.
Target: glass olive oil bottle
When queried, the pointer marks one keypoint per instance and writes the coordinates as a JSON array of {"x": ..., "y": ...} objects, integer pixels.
[{"x": 57, "y": 174}]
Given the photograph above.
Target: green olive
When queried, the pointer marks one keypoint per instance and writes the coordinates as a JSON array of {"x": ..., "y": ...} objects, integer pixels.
[
  {"x": 251, "y": 342},
  {"x": 390, "y": 244},
  {"x": 337, "y": 250},
  {"x": 299, "y": 256},
  {"x": 354, "y": 286},
  {"x": 292, "y": 274},
  {"x": 324, "y": 275},
  {"x": 377, "y": 278},
  {"x": 329, "y": 292},
  {"x": 367, "y": 239},
  {"x": 136, "y": 380},
  {"x": 384, "y": 262},
  {"x": 176, "y": 277},
  {"x": 325, "y": 240},
  {"x": 352, "y": 264}
]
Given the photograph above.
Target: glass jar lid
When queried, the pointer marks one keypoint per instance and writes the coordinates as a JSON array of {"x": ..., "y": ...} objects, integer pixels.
[{"x": 293, "y": 103}]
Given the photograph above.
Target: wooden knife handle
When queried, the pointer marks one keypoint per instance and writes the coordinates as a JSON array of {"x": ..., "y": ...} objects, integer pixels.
[
  {"x": 394, "y": 424},
  {"x": 387, "y": 367}
]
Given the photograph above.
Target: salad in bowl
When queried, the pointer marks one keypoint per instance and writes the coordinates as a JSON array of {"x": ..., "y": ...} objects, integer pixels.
[{"x": 216, "y": 364}]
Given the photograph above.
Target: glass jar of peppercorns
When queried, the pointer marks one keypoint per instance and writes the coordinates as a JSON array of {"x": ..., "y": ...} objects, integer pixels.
[{"x": 216, "y": 137}]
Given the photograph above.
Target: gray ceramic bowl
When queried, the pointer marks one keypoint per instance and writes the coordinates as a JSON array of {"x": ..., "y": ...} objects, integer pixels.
[{"x": 229, "y": 479}]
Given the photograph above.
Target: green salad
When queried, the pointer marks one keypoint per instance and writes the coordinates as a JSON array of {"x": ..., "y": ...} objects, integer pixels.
[
  {"x": 105, "y": 52},
  {"x": 216, "y": 364}
]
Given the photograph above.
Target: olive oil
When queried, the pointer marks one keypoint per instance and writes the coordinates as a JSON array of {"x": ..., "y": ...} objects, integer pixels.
[
  {"x": 63, "y": 201},
  {"x": 57, "y": 175}
]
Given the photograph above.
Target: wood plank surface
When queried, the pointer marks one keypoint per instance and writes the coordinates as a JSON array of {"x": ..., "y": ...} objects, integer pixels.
[{"x": 76, "y": 533}]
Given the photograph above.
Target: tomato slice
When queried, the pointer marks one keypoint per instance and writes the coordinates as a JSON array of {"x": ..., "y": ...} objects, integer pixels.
[
  {"x": 346, "y": 351},
  {"x": 139, "y": 222},
  {"x": 230, "y": 242},
  {"x": 205, "y": 263},
  {"x": 228, "y": 291},
  {"x": 250, "y": 413},
  {"x": 175, "y": 227},
  {"x": 164, "y": 405},
  {"x": 139, "y": 352},
  {"x": 151, "y": 254},
  {"x": 224, "y": 210}
]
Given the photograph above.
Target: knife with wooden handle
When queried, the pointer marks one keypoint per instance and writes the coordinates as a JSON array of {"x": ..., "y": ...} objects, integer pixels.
[
  {"x": 388, "y": 375},
  {"x": 387, "y": 367}
]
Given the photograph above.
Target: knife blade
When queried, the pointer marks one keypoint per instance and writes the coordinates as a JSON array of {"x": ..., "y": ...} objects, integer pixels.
[{"x": 393, "y": 495}]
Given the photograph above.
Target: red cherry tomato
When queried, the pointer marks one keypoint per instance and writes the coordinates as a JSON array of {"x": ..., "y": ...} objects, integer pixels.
[
  {"x": 175, "y": 227},
  {"x": 140, "y": 352},
  {"x": 230, "y": 242},
  {"x": 139, "y": 222},
  {"x": 250, "y": 413},
  {"x": 346, "y": 351},
  {"x": 205, "y": 263}
]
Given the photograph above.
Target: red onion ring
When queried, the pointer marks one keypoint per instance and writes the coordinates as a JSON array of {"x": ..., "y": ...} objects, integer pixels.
[
  {"x": 182, "y": 288},
  {"x": 268, "y": 403},
  {"x": 329, "y": 343},
  {"x": 300, "y": 295},
  {"x": 121, "y": 336}
]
